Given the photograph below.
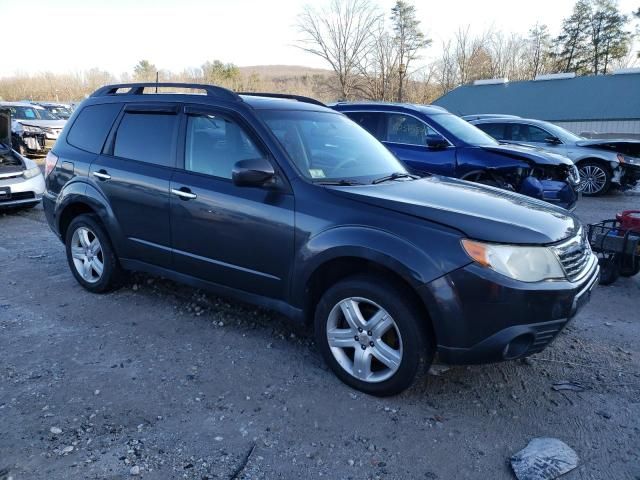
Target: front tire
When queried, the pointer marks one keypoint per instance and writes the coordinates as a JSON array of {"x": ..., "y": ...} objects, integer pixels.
[
  {"x": 372, "y": 335},
  {"x": 595, "y": 178},
  {"x": 90, "y": 255}
]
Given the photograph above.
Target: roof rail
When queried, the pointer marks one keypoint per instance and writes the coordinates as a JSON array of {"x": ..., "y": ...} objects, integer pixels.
[
  {"x": 138, "y": 89},
  {"x": 299, "y": 98}
]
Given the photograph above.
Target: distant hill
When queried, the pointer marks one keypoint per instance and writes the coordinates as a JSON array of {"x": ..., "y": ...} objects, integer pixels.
[{"x": 276, "y": 71}]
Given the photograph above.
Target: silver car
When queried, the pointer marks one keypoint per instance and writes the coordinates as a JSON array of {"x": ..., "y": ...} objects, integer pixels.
[
  {"x": 602, "y": 163},
  {"x": 34, "y": 128},
  {"x": 21, "y": 181}
]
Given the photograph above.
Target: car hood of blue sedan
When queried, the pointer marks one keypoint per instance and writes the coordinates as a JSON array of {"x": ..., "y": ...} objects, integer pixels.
[
  {"x": 535, "y": 154},
  {"x": 480, "y": 212}
]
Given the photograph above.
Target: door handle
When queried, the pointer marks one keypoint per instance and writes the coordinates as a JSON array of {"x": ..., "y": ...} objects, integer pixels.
[
  {"x": 102, "y": 175},
  {"x": 184, "y": 193}
]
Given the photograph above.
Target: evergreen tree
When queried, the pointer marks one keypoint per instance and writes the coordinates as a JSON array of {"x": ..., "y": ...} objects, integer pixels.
[
  {"x": 408, "y": 37},
  {"x": 144, "y": 71},
  {"x": 571, "y": 45}
]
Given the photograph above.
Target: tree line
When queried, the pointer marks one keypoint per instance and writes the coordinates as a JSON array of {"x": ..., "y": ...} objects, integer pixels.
[
  {"x": 376, "y": 56},
  {"x": 379, "y": 55}
]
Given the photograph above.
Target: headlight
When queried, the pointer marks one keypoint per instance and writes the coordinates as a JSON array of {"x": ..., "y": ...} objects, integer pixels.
[
  {"x": 31, "y": 172},
  {"x": 527, "y": 264},
  {"x": 28, "y": 128},
  {"x": 628, "y": 160}
]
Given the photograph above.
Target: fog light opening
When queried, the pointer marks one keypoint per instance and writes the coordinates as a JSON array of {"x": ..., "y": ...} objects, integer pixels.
[{"x": 518, "y": 346}]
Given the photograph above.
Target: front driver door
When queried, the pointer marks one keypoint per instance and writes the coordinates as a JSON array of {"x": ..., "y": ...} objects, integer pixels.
[
  {"x": 407, "y": 137},
  {"x": 241, "y": 237}
]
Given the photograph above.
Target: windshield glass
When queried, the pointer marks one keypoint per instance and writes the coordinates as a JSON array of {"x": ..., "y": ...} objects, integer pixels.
[
  {"x": 564, "y": 135},
  {"x": 31, "y": 113},
  {"x": 329, "y": 146},
  {"x": 60, "y": 112},
  {"x": 463, "y": 130}
]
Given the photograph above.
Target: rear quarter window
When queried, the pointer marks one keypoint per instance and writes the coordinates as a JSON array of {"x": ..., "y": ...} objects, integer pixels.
[{"x": 91, "y": 127}]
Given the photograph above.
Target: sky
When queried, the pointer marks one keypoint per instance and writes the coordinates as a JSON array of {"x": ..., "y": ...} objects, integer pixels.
[{"x": 75, "y": 35}]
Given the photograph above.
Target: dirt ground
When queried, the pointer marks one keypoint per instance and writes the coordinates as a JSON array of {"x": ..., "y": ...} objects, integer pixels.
[{"x": 162, "y": 381}]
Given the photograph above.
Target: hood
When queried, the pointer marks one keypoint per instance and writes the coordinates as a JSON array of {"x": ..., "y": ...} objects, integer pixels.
[
  {"x": 5, "y": 127},
  {"x": 627, "y": 147},
  {"x": 43, "y": 123},
  {"x": 480, "y": 212},
  {"x": 530, "y": 153}
]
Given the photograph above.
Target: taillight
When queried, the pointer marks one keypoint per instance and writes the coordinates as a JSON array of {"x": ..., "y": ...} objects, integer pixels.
[{"x": 50, "y": 163}]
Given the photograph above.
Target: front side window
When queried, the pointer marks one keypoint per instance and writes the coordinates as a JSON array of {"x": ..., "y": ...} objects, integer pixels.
[
  {"x": 538, "y": 135},
  {"x": 215, "y": 143},
  {"x": 147, "y": 137},
  {"x": 408, "y": 130},
  {"x": 329, "y": 146}
]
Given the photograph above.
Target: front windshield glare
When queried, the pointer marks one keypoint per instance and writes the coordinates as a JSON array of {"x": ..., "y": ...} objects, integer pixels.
[
  {"x": 463, "y": 130},
  {"x": 329, "y": 146}
]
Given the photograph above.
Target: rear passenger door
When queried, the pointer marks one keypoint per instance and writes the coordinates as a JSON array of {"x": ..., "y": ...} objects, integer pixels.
[
  {"x": 133, "y": 173},
  {"x": 408, "y": 137},
  {"x": 240, "y": 237}
]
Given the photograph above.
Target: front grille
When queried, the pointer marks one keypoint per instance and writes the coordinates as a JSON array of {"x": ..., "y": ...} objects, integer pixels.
[
  {"x": 574, "y": 255},
  {"x": 19, "y": 196}
]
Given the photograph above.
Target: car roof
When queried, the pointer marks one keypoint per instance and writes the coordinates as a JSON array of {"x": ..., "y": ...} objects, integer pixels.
[
  {"x": 510, "y": 120},
  {"x": 391, "y": 106},
  {"x": 268, "y": 103},
  {"x": 19, "y": 104}
]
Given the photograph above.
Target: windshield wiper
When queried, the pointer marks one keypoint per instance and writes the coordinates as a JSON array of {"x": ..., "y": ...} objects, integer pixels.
[
  {"x": 342, "y": 182},
  {"x": 394, "y": 176}
]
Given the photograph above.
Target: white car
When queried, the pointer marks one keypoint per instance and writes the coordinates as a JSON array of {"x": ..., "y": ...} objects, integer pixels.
[
  {"x": 34, "y": 129},
  {"x": 21, "y": 181}
]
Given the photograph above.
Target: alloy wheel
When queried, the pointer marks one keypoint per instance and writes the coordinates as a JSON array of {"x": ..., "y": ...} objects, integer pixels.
[
  {"x": 364, "y": 339},
  {"x": 87, "y": 254},
  {"x": 592, "y": 179}
]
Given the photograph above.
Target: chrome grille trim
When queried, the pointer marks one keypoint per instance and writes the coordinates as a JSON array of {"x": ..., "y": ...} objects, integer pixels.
[{"x": 575, "y": 256}]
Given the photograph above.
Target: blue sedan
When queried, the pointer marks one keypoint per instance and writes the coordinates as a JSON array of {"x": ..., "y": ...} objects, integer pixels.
[{"x": 430, "y": 140}]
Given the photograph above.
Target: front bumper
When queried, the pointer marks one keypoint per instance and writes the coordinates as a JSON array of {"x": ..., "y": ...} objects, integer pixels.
[
  {"x": 32, "y": 142},
  {"x": 480, "y": 316},
  {"x": 559, "y": 193},
  {"x": 18, "y": 191},
  {"x": 630, "y": 176}
]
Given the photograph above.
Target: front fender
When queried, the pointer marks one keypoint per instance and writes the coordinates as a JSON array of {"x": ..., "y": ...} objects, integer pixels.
[{"x": 413, "y": 264}]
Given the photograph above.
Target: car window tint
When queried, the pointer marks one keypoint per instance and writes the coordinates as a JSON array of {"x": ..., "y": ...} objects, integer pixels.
[
  {"x": 496, "y": 130},
  {"x": 408, "y": 129},
  {"x": 370, "y": 121},
  {"x": 92, "y": 125},
  {"x": 537, "y": 134},
  {"x": 147, "y": 137},
  {"x": 519, "y": 132},
  {"x": 215, "y": 143}
]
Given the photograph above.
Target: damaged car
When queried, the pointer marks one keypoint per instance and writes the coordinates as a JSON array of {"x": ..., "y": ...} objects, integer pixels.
[
  {"x": 430, "y": 140},
  {"x": 602, "y": 163},
  {"x": 60, "y": 110},
  {"x": 34, "y": 130},
  {"x": 21, "y": 181}
]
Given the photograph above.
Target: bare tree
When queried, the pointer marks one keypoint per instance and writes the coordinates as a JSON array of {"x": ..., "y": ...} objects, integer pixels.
[
  {"x": 341, "y": 35},
  {"x": 379, "y": 68}
]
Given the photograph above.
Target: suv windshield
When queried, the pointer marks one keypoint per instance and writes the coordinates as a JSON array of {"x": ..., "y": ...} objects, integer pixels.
[
  {"x": 31, "y": 113},
  {"x": 59, "y": 112},
  {"x": 329, "y": 146},
  {"x": 462, "y": 129}
]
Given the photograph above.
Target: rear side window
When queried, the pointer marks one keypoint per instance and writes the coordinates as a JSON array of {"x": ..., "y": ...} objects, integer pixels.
[
  {"x": 370, "y": 121},
  {"x": 147, "y": 137},
  {"x": 496, "y": 130},
  {"x": 91, "y": 126}
]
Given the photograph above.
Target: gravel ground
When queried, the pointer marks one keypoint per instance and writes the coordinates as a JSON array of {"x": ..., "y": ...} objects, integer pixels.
[{"x": 161, "y": 381}]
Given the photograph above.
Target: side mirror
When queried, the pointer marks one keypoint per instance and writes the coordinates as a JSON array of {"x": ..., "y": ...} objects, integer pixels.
[
  {"x": 436, "y": 142},
  {"x": 254, "y": 172},
  {"x": 552, "y": 140}
]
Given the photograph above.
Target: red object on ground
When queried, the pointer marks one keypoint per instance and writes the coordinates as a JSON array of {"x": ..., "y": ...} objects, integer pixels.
[{"x": 629, "y": 220}]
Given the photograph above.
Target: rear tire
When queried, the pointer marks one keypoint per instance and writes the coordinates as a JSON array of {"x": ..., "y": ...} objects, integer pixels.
[
  {"x": 91, "y": 256},
  {"x": 595, "y": 178},
  {"x": 384, "y": 360}
]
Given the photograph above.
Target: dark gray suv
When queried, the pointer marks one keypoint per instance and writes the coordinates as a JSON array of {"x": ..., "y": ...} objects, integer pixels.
[{"x": 287, "y": 204}]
